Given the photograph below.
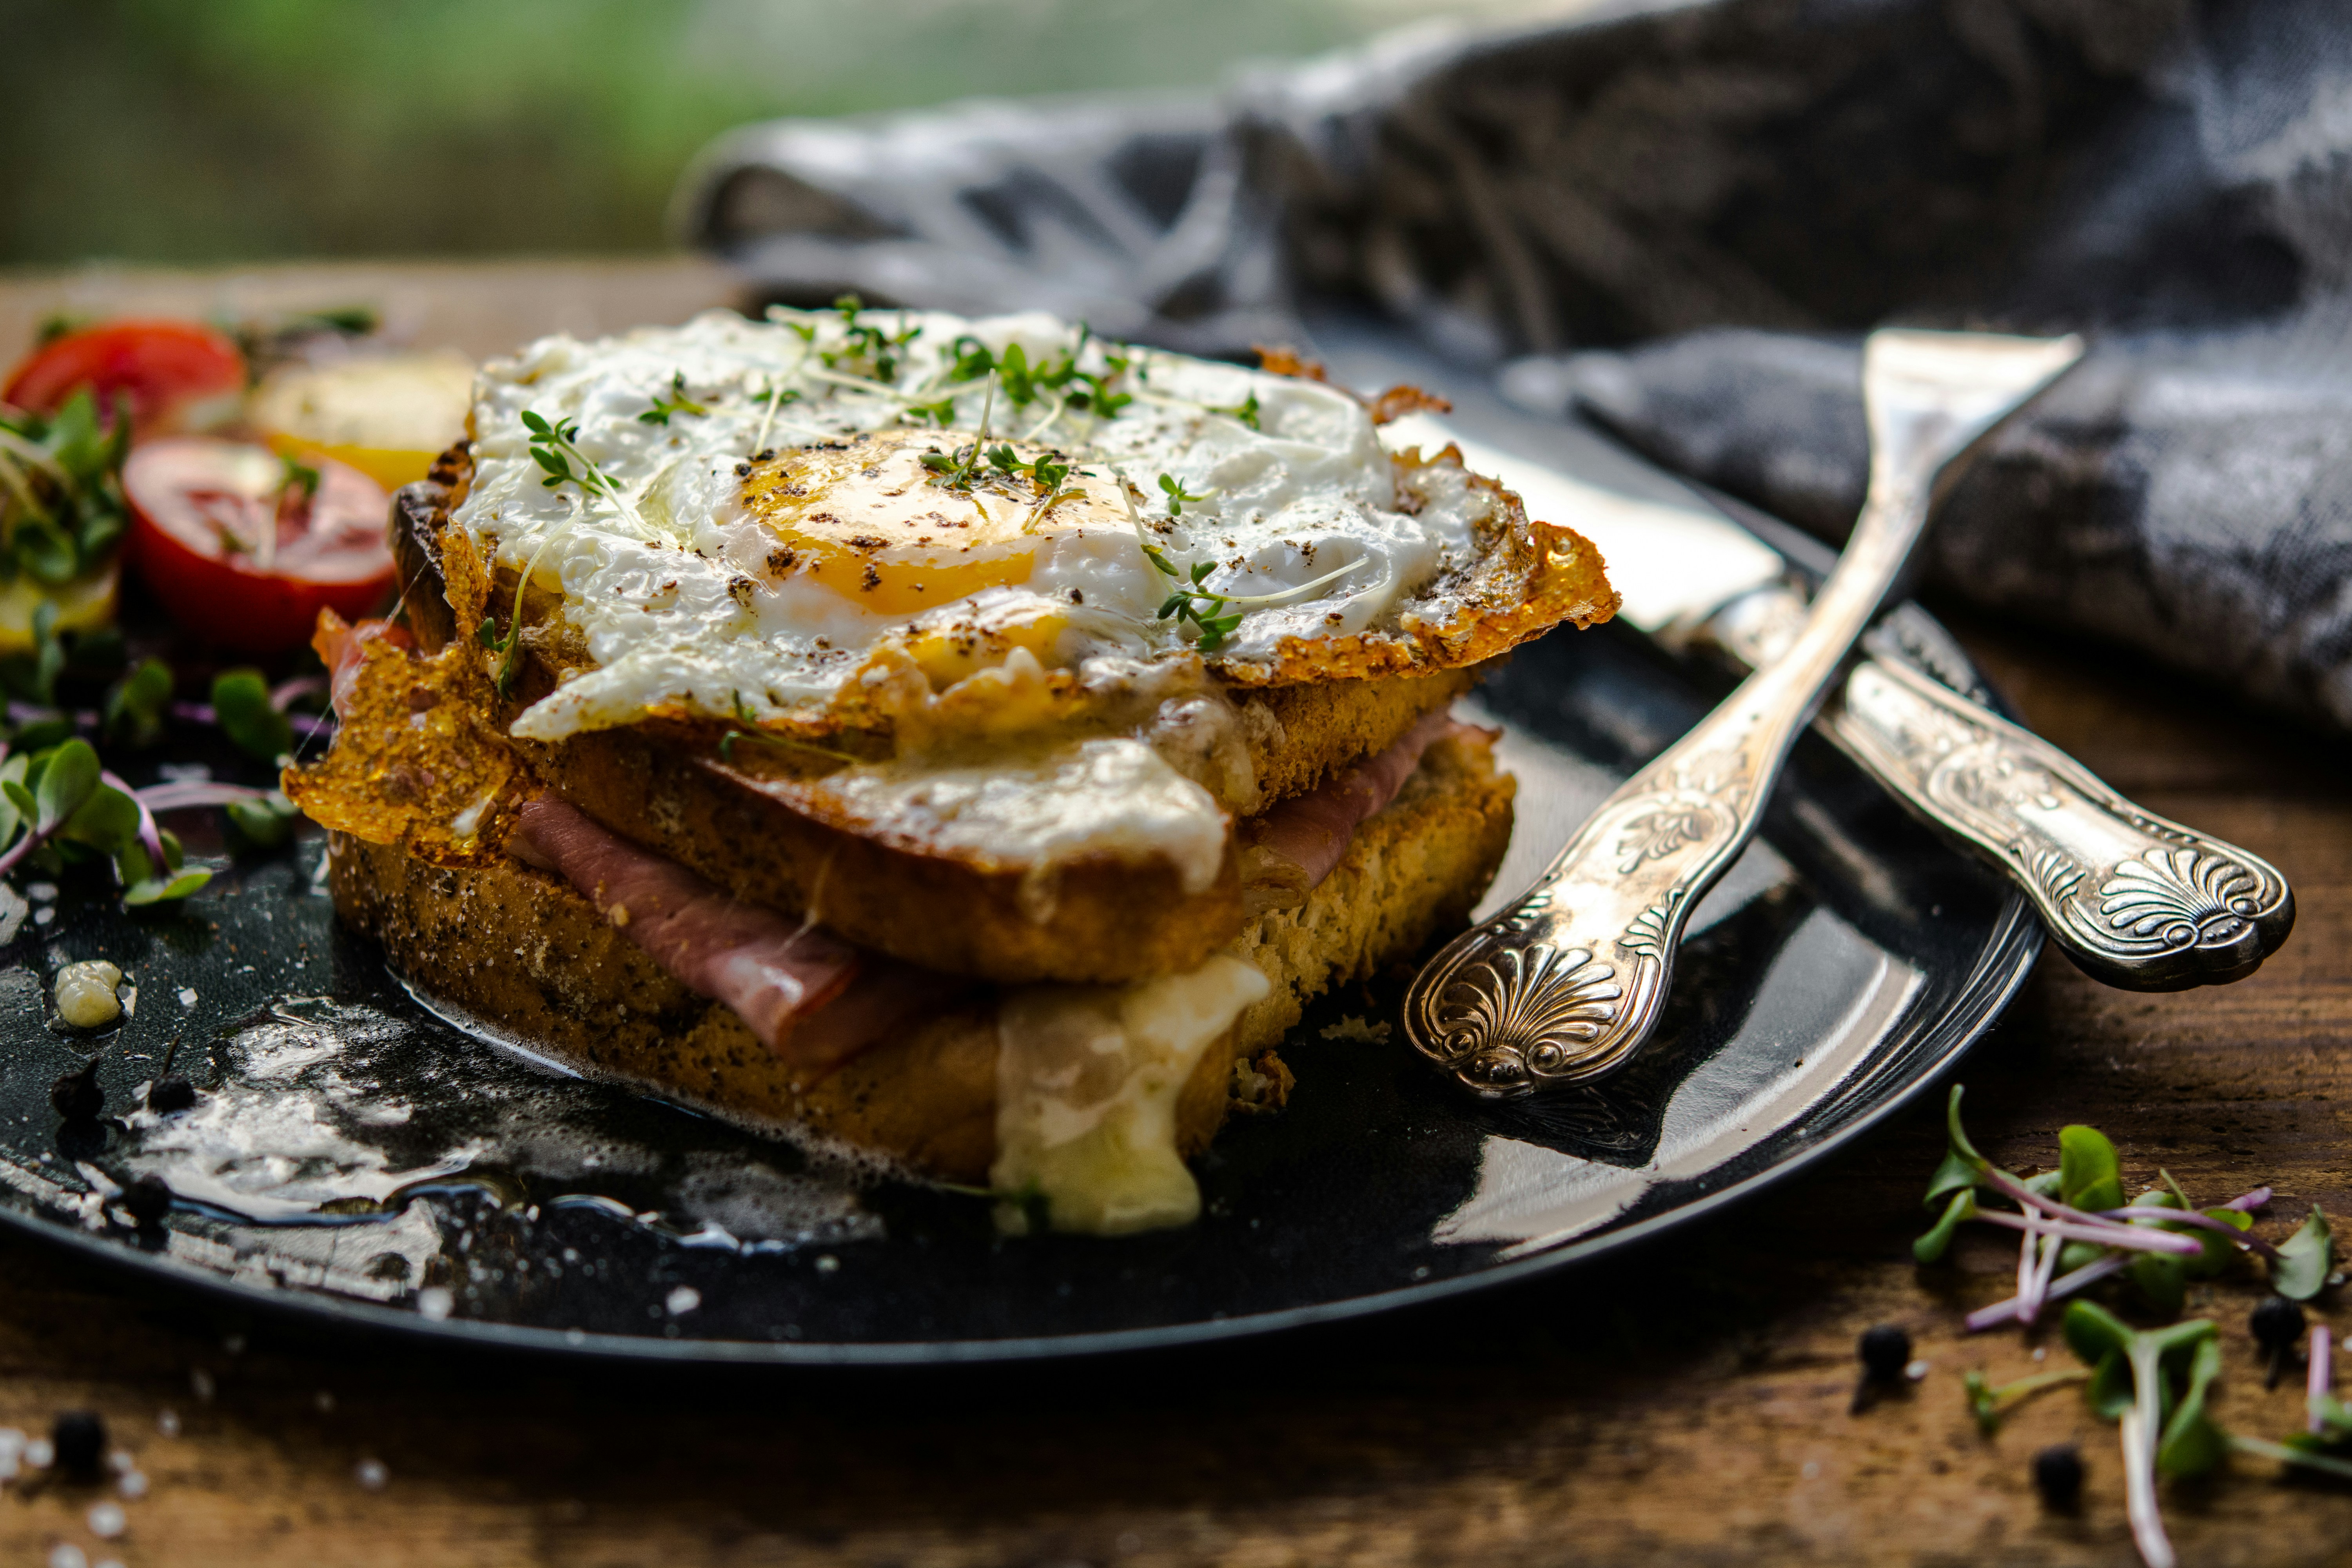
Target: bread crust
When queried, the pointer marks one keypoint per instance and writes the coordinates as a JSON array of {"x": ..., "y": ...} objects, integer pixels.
[{"x": 519, "y": 951}]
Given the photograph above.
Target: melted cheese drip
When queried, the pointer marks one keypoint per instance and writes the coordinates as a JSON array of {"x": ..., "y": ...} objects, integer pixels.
[
  {"x": 1086, "y": 1084},
  {"x": 1114, "y": 797}
]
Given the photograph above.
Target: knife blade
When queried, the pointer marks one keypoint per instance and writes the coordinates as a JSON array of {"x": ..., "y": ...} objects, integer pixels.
[{"x": 2135, "y": 899}]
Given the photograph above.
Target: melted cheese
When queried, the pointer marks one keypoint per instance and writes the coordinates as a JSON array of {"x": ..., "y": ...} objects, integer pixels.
[{"x": 1086, "y": 1085}]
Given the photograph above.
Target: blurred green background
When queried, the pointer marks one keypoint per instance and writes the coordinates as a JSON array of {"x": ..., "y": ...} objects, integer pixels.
[{"x": 207, "y": 131}]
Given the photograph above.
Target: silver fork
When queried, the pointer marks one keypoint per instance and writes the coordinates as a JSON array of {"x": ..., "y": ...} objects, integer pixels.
[{"x": 1563, "y": 987}]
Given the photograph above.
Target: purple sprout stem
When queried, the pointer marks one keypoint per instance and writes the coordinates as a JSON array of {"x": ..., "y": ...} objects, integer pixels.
[
  {"x": 2066, "y": 1284},
  {"x": 2190, "y": 1217},
  {"x": 182, "y": 795},
  {"x": 2250, "y": 1201},
  {"x": 2321, "y": 1378},
  {"x": 2041, "y": 1273},
  {"x": 33, "y": 712},
  {"x": 2142, "y": 1430},
  {"x": 2001, "y": 1182},
  {"x": 286, "y": 692},
  {"x": 303, "y": 724},
  {"x": 149, "y": 835},
  {"x": 2133, "y": 1237}
]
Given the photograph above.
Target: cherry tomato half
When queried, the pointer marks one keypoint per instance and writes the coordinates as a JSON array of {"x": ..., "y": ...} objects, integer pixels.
[
  {"x": 176, "y": 373},
  {"x": 241, "y": 552}
]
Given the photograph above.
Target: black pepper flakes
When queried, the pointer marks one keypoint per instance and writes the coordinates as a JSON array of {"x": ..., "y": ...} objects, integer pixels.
[
  {"x": 2276, "y": 1325},
  {"x": 76, "y": 1096},
  {"x": 78, "y": 1437},
  {"x": 2058, "y": 1477},
  {"x": 146, "y": 1200},
  {"x": 170, "y": 1092},
  {"x": 1886, "y": 1350}
]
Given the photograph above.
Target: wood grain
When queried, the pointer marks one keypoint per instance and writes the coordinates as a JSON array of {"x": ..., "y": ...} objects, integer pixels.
[{"x": 1683, "y": 1405}]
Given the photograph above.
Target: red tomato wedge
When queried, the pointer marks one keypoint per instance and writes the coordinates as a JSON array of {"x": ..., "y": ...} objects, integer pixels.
[
  {"x": 240, "y": 556},
  {"x": 174, "y": 373}
]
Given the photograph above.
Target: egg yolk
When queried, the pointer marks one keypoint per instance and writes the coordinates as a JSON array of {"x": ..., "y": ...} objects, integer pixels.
[{"x": 864, "y": 517}]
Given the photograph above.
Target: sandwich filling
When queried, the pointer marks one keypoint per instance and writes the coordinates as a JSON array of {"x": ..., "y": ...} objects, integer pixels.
[{"x": 997, "y": 626}]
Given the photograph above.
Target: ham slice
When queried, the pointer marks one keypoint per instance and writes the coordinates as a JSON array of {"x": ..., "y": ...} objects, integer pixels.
[
  {"x": 1310, "y": 832},
  {"x": 810, "y": 998},
  {"x": 814, "y": 1000}
]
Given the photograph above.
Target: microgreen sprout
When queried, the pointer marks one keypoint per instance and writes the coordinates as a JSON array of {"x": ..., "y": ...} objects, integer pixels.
[
  {"x": 1047, "y": 472},
  {"x": 751, "y": 733},
  {"x": 1178, "y": 495},
  {"x": 1989, "y": 1402},
  {"x": 2165, "y": 1432},
  {"x": 953, "y": 471},
  {"x": 2076, "y": 1217},
  {"x": 61, "y": 505},
  {"x": 554, "y": 447},
  {"x": 60, "y": 804},
  {"x": 509, "y": 647},
  {"x": 2327, "y": 1426},
  {"x": 1192, "y": 600},
  {"x": 867, "y": 345},
  {"x": 678, "y": 402},
  {"x": 1247, "y": 411},
  {"x": 1026, "y": 383},
  {"x": 775, "y": 396}
]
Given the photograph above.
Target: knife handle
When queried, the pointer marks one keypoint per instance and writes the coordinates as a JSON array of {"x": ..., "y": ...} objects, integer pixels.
[{"x": 2135, "y": 899}]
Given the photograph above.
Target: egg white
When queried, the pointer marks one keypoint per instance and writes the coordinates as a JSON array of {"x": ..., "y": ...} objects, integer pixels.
[{"x": 679, "y": 595}]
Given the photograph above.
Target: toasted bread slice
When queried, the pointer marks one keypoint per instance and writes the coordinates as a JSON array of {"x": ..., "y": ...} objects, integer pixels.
[
  {"x": 519, "y": 950},
  {"x": 747, "y": 822}
]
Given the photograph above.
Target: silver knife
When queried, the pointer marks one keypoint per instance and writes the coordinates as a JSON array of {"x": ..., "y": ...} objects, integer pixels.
[{"x": 2135, "y": 900}]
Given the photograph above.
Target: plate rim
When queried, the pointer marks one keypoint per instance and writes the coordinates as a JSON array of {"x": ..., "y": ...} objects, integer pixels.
[
  {"x": 1931, "y": 1044},
  {"x": 2005, "y": 964}
]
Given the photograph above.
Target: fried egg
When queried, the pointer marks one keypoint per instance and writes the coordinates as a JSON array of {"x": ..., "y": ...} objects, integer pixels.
[{"x": 746, "y": 520}]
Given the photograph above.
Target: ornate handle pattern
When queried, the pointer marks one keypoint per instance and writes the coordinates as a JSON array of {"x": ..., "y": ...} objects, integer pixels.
[
  {"x": 1565, "y": 986},
  {"x": 2138, "y": 900}
]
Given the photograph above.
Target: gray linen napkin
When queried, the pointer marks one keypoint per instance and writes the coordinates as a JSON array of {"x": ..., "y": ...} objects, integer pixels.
[{"x": 1679, "y": 215}]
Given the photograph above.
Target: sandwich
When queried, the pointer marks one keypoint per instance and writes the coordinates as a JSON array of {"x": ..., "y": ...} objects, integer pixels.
[{"x": 969, "y": 743}]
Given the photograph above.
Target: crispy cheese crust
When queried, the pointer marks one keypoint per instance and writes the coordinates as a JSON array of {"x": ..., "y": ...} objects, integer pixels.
[{"x": 518, "y": 949}]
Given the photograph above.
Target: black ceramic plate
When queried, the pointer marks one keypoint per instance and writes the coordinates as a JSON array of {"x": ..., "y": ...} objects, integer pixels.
[{"x": 352, "y": 1158}]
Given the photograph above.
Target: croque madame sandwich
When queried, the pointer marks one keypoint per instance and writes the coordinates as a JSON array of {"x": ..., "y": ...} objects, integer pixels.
[{"x": 967, "y": 741}]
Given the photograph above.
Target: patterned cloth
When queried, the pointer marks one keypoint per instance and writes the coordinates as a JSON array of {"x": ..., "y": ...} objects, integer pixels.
[{"x": 1678, "y": 217}]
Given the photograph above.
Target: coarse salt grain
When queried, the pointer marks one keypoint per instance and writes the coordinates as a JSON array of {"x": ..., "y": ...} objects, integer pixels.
[
  {"x": 167, "y": 1422},
  {"x": 65, "y": 1554},
  {"x": 683, "y": 1300},
  {"x": 12, "y": 1441},
  {"x": 372, "y": 1474},
  {"x": 132, "y": 1486},
  {"x": 40, "y": 1453},
  {"x": 827, "y": 1263},
  {"x": 200, "y": 1383},
  {"x": 1916, "y": 1370},
  {"x": 121, "y": 1462},
  {"x": 187, "y": 995},
  {"x": 435, "y": 1302},
  {"x": 107, "y": 1520}
]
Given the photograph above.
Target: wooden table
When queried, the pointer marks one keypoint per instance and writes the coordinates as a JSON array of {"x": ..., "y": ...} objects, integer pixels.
[{"x": 1687, "y": 1404}]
